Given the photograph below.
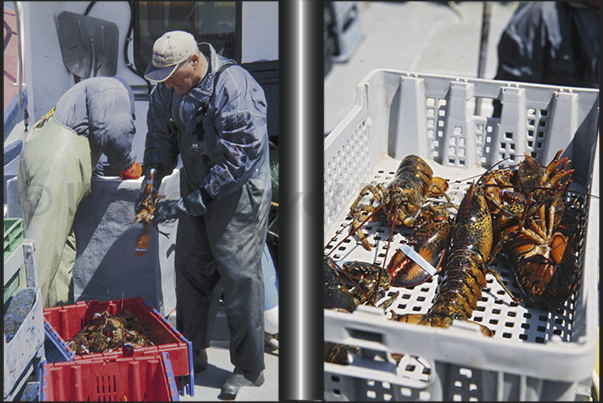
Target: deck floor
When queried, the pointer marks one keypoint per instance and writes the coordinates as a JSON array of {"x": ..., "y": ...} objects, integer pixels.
[{"x": 209, "y": 382}]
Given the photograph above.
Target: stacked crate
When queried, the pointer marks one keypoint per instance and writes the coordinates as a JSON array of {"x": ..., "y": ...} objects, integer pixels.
[
  {"x": 23, "y": 318},
  {"x": 140, "y": 379},
  {"x": 64, "y": 322}
]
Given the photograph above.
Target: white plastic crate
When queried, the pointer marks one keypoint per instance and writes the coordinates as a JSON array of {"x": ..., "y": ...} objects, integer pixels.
[
  {"x": 24, "y": 351},
  {"x": 536, "y": 352}
]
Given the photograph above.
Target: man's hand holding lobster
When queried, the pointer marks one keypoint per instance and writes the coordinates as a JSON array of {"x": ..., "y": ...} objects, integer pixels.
[
  {"x": 144, "y": 206},
  {"x": 150, "y": 209},
  {"x": 191, "y": 205},
  {"x": 149, "y": 189}
]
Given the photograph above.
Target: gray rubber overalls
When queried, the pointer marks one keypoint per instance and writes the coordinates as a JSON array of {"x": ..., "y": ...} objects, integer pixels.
[
  {"x": 55, "y": 169},
  {"x": 222, "y": 139}
]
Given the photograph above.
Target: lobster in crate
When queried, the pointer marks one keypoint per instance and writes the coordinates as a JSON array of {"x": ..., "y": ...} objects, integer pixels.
[
  {"x": 405, "y": 199},
  {"x": 369, "y": 282},
  {"x": 404, "y": 196},
  {"x": 404, "y": 202},
  {"x": 517, "y": 210},
  {"x": 525, "y": 208},
  {"x": 464, "y": 272},
  {"x": 535, "y": 233},
  {"x": 337, "y": 297},
  {"x": 109, "y": 332}
]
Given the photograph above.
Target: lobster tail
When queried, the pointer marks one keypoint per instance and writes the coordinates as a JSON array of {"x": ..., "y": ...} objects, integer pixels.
[{"x": 544, "y": 281}]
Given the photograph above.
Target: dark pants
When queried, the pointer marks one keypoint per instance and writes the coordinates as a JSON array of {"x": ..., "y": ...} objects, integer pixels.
[{"x": 226, "y": 244}]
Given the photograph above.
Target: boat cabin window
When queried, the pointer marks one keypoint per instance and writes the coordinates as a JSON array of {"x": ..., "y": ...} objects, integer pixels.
[{"x": 216, "y": 22}]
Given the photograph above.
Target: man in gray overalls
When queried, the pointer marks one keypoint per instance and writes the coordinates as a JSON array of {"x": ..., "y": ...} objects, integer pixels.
[
  {"x": 212, "y": 113},
  {"x": 95, "y": 117}
]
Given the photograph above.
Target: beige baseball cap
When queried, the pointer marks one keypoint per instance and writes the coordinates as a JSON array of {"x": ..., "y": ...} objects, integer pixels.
[{"x": 169, "y": 50}]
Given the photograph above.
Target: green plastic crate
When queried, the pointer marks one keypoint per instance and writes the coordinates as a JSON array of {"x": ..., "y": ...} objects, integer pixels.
[
  {"x": 12, "y": 285},
  {"x": 13, "y": 235}
]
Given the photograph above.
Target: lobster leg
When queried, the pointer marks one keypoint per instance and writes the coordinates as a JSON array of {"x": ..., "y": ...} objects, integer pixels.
[
  {"x": 357, "y": 217},
  {"x": 357, "y": 225},
  {"x": 489, "y": 270},
  {"x": 355, "y": 229},
  {"x": 363, "y": 192}
]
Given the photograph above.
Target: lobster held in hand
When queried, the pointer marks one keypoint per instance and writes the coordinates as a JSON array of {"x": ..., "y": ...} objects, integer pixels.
[{"x": 145, "y": 215}]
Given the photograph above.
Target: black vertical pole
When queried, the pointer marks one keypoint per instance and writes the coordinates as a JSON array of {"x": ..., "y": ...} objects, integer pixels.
[{"x": 301, "y": 200}]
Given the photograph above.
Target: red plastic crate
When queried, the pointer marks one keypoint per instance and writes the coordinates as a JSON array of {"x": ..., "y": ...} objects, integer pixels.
[
  {"x": 65, "y": 321},
  {"x": 112, "y": 379}
]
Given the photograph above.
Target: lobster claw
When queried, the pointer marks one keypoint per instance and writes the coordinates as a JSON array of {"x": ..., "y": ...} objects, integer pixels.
[
  {"x": 405, "y": 272},
  {"x": 336, "y": 295},
  {"x": 412, "y": 266},
  {"x": 439, "y": 186}
]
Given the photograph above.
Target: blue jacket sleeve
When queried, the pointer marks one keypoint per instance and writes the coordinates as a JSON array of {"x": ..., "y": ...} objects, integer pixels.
[
  {"x": 161, "y": 145},
  {"x": 241, "y": 131}
]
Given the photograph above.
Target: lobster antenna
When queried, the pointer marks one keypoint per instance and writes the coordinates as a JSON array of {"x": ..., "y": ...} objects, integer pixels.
[
  {"x": 488, "y": 170},
  {"x": 336, "y": 234},
  {"x": 352, "y": 233},
  {"x": 389, "y": 241}
]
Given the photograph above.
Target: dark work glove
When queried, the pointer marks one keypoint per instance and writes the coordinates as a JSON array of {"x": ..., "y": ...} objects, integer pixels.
[
  {"x": 157, "y": 178},
  {"x": 192, "y": 205}
]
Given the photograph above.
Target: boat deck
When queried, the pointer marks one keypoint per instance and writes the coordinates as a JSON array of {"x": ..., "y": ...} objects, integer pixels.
[{"x": 209, "y": 382}]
